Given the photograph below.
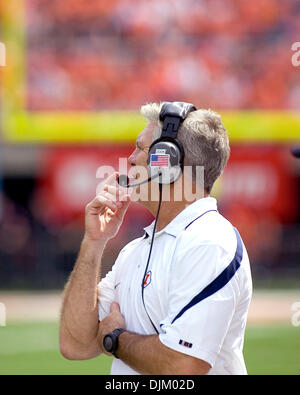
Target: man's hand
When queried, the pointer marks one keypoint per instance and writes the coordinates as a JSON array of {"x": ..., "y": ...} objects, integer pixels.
[
  {"x": 145, "y": 353},
  {"x": 104, "y": 215},
  {"x": 112, "y": 321}
]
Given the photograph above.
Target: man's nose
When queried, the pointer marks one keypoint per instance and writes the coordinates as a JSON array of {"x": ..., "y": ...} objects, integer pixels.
[{"x": 132, "y": 159}]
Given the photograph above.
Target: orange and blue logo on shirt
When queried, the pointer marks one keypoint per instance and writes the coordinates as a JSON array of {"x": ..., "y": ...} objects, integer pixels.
[{"x": 147, "y": 279}]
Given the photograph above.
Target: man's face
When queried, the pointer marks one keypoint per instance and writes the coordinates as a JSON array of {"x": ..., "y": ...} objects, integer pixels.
[
  {"x": 140, "y": 155},
  {"x": 138, "y": 165}
]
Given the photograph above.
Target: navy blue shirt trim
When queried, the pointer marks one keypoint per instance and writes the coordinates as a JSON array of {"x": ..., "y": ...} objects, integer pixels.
[
  {"x": 199, "y": 217},
  {"x": 220, "y": 281}
]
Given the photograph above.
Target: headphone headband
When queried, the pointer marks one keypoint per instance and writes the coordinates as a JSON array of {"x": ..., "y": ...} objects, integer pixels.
[{"x": 172, "y": 114}]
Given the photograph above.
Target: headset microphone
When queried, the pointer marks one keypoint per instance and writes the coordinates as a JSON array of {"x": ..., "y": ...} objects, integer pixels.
[{"x": 123, "y": 181}]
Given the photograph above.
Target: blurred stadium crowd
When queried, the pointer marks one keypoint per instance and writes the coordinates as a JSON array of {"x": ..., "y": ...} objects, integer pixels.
[
  {"x": 222, "y": 54},
  {"x": 119, "y": 54}
]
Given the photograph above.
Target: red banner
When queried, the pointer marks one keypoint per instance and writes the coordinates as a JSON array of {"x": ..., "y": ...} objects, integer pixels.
[{"x": 258, "y": 180}]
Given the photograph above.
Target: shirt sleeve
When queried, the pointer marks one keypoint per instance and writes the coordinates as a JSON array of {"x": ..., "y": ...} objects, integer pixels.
[
  {"x": 106, "y": 287},
  {"x": 106, "y": 293},
  {"x": 201, "y": 329}
]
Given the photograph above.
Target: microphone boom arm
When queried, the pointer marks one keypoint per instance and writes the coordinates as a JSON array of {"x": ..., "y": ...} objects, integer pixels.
[{"x": 123, "y": 181}]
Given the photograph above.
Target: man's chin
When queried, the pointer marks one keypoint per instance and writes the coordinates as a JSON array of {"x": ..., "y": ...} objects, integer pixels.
[{"x": 143, "y": 194}]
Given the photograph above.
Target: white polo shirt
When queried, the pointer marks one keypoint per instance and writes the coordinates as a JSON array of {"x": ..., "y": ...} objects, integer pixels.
[{"x": 197, "y": 291}]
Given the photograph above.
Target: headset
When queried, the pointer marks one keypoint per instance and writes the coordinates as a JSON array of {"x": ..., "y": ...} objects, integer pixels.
[
  {"x": 166, "y": 154},
  {"x": 165, "y": 161},
  {"x": 167, "y": 150}
]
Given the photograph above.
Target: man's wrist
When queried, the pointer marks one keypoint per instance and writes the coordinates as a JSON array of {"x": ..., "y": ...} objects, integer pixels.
[
  {"x": 94, "y": 243},
  {"x": 120, "y": 339},
  {"x": 111, "y": 341}
]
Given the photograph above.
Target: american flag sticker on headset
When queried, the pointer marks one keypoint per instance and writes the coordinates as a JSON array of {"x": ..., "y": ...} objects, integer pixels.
[{"x": 159, "y": 160}]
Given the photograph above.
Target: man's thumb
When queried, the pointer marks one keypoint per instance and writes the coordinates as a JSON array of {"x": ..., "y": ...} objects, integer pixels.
[{"x": 114, "y": 307}]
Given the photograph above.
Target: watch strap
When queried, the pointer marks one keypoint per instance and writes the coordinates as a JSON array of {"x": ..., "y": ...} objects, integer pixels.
[{"x": 117, "y": 332}]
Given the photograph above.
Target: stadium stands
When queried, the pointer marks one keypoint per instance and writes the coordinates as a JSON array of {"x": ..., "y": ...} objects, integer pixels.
[{"x": 216, "y": 53}]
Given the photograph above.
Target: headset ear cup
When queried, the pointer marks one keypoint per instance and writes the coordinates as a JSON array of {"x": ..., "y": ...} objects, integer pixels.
[
  {"x": 169, "y": 154},
  {"x": 175, "y": 173}
]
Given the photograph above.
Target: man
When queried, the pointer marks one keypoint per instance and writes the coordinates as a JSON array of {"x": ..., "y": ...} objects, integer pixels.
[{"x": 188, "y": 314}]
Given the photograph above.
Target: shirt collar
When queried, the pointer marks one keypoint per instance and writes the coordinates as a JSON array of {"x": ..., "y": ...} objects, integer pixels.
[{"x": 185, "y": 217}]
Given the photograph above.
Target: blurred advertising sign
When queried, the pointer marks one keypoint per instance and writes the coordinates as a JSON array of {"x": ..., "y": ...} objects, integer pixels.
[
  {"x": 258, "y": 178},
  {"x": 261, "y": 178}
]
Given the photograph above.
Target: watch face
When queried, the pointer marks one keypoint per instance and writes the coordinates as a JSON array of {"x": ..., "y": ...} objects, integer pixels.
[{"x": 108, "y": 343}]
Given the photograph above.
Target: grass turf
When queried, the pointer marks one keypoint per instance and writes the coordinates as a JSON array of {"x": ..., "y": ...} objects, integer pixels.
[{"x": 32, "y": 348}]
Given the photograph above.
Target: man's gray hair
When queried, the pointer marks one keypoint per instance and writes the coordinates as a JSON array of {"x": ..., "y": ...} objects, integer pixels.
[{"x": 204, "y": 139}]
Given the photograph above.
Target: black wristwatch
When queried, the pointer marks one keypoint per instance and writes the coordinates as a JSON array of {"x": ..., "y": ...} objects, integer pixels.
[{"x": 111, "y": 341}]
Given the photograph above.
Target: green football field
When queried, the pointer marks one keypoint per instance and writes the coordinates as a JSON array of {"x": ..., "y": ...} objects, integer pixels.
[{"x": 32, "y": 348}]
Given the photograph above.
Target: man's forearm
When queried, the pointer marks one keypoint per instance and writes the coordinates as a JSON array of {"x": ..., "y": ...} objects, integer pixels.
[
  {"x": 141, "y": 353},
  {"x": 79, "y": 315},
  {"x": 147, "y": 355}
]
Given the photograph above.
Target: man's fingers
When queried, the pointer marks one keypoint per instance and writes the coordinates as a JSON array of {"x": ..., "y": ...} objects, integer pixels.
[
  {"x": 118, "y": 193},
  {"x": 123, "y": 206},
  {"x": 112, "y": 179},
  {"x": 101, "y": 201},
  {"x": 111, "y": 197},
  {"x": 113, "y": 189},
  {"x": 106, "y": 200}
]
